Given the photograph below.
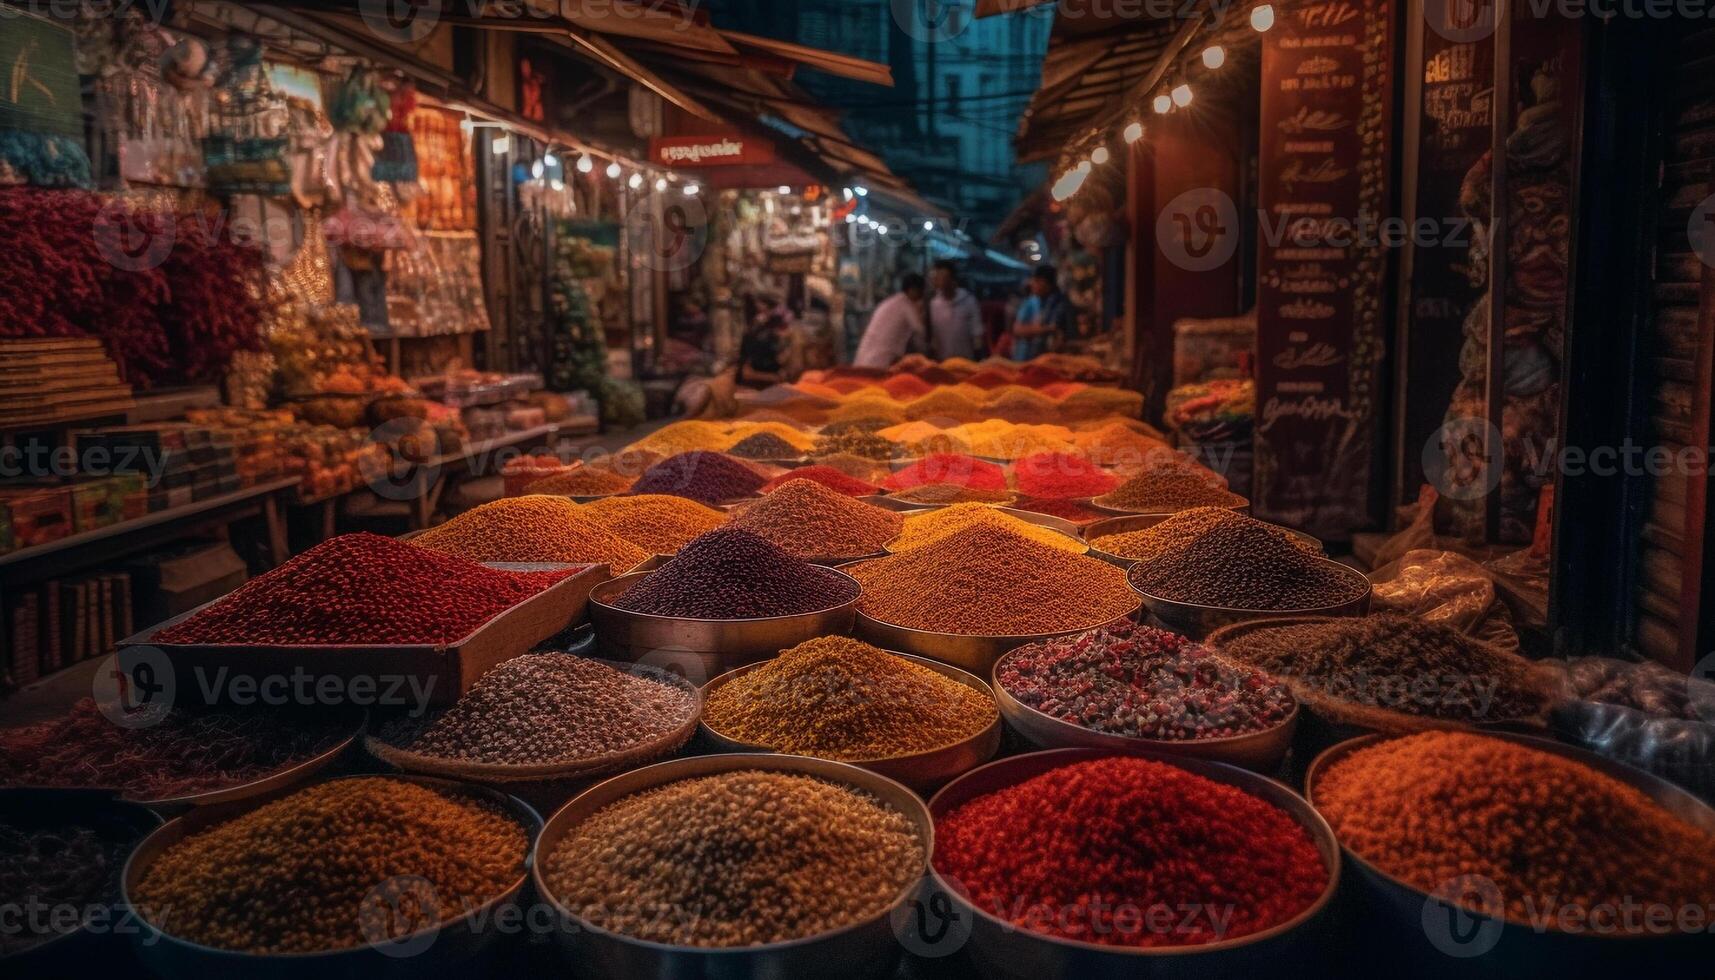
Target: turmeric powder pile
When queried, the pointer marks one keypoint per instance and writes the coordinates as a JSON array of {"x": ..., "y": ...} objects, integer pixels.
[
  {"x": 537, "y": 528},
  {"x": 659, "y": 523},
  {"x": 925, "y": 529},
  {"x": 1439, "y": 810}
]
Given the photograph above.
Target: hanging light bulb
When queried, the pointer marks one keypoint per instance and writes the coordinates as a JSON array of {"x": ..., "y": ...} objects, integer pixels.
[
  {"x": 660, "y": 184},
  {"x": 635, "y": 182},
  {"x": 585, "y": 164},
  {"x": 1163, "y": 104},
  {"x": 501, "y": 144},
  {"x": 851, "y": 219},
  {"x": 691, "y": 190},
  {"x": 1262, "y": 17},
  {"x": 1182, "y": 95},
  {"x": 550, "y": 160},
  {"x": 613, "y": 170},
  {"x": 846, "y": 192},
  {"x": 783, "y": 189},
  {"x": 537, "y": 170},
  {"x": 861, "y": 191},
  {"x": 466, "y": 125},
  {"x": 1214, "y": 56},
  {"x": 928, "y": 225},
  {"x": 557, "y": 184},
  {"x": 1133, "y": 132},
  {"x": 1099, "y": 155},
  {"x": 881, "y": 229}
]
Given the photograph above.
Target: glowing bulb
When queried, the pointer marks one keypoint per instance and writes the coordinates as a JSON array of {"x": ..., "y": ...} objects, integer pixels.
[
  {"x": 783, "y": 189},
  {"x": 537, "y": 170},
  {"x": 635, "y": 182},
  {"x": 691, "y": 190},
  {"x": 613, "y": 170},
  {"x": 1214, "y": 56},
  {"x": 881, "y": 229},
  {"x": 1163, "y": 104},
  {"x": 1082, "y": 168},
  {"x": 585, "y": 164},
  {"x": 501, "y": 144},
  {"x": 847, "y": 192},
  {"x": 557, "y": 184},
  {"x": 928, "y": 226},
  {"x": 1262, "y": 17},
  {"x": 466, "y": 125},
  {"x": 1134, "y": 132},
  {"x": 861, "y": 191},
  {"x": 851, "y": 219},
  {"x": 660, "y": 184},
  {"x": 1182, "y": 95},
  {"x": 1099, "y": 155},
  {"x": 549, "y": 159}
]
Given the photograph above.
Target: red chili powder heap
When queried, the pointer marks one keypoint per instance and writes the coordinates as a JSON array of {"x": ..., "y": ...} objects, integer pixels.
[
  {"x": 1065, "y": 509},
  {"x": 990, "y": 378},
  {"x": 1130, "y": 852},
  {"x": 963, "y": 471},
  {"x": 828, "y": 477},
  {"x": 1059, "y": 476},
  {"x": 905, "y": 387},
  {"x": 363, "y": 588}
]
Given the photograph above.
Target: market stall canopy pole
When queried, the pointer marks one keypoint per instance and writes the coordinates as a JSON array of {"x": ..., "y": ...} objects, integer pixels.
[
  {"x": 844, "y": 66},
  {"x": 609, "y": 54}
]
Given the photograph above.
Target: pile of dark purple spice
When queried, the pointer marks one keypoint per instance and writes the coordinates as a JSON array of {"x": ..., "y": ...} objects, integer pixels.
[
  {"x": 733, "y": 574},
  {"x": 1142, "y": 682},
  {"x": 764, "y": 445},
  {"x": 1240, "y": 563},
  {"x": 706, "y": 477}
]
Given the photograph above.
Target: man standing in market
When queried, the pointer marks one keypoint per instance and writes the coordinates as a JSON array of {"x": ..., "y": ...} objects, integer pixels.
[
  {"x": 955, "y": 318},
  {"x": 895, "y": 327},
  {"x": 1045, "y": 317}
]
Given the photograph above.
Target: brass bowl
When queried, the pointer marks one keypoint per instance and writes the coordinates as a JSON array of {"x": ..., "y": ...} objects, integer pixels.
[
  {"x": 1242, "y": 507},
  {"x": 1065, "y": 527},
  {"x": 1141, "y": 522},
  {"x": 922, "y": 771},
  {"x": 1260, "y": 751},
  {"x": 438, "y": 947},
  {"x": 1198, "y": 621},
  {"x": 703, "y": 648},
  {"x": 1405, "y": 913},
  {"x": 272, "y": 783},
  {"x": 999, "y": 948},
  {"x": 971, "y": 652},
  {"x": 865, "y": 949}
]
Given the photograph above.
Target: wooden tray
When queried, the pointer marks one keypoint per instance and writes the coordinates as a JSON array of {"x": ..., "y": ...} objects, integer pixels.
[{"x": 445, "y": 671}]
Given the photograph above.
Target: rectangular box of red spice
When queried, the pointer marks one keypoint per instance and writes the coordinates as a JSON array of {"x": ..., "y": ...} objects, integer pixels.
[{"x": 445, "y": 672}]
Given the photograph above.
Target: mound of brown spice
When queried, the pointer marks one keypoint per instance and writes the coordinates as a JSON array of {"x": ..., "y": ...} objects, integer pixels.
[
  {"x": 537, "y": 528},
  {"x": 987, "y": 580},
  {"x": 1167, "y": 490},
  {"x": 293, "y": 876},
  {"x": 1222, "y": 558},
  {"x": 659, "y": 523},
  {"x": 735, "y": 574},
  {"x": 942, "y": 494},
  {"x": 1440, "y": 810},
  {"x": 810, "y": 520},
  {"x": 581, "y": 481},
  {"x": 740, "y": 858},
  {"x": 839, "y": 698}
]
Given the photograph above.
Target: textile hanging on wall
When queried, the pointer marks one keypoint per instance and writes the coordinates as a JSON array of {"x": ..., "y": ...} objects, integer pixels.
[{"x": 41, "y": 107}]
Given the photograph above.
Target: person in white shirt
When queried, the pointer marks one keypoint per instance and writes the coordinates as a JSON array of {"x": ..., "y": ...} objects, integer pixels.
[
  {"x": 895, "y": 327},
  {"x": 955, "y": 316}
]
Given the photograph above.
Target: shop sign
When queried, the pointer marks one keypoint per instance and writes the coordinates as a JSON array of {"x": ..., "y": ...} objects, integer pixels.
[
  {"x": 709, "y": 151},
  {"x": 1325, "y": 143}
]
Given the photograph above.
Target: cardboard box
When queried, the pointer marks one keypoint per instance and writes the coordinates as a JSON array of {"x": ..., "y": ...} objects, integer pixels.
[{"x": 167, "y": 583}]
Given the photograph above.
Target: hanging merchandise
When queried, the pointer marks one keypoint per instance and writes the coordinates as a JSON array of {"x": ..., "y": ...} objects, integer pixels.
[
  {"x": 366, "y": 217},
  {"x": 577, "y": 348},
  {"x": 308, "y": 133},
  {"x": 397, "y": 161},
  {"x": 446, "y": 172},
  {"x": 152, "y": 93},
  {"x": 245, "y": 150},
  {"x": 41, "y": 110}
]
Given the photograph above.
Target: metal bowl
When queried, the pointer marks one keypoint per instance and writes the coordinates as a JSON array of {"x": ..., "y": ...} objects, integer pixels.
[
  {"x": 1029, "y": 517},
  {"x": 922, "y": 771},
  {"x": 438, "y": 947},
  {"x": 1141, "y": 522},
  {"x": 703, "y": 648},
  {"x": 999, "y": 948},
  {"x": 864, "y": 949},
  {"x": 272, "y": 783},
  {"x": 1243, "y": 507},
  {"x": 1197, "y": 621},
  {"x": 1403, "y": 914},
  {"x": 1260, "y": 751},
  {"x": 93, "y": 942},
  {"x": 975, "y": 653}
]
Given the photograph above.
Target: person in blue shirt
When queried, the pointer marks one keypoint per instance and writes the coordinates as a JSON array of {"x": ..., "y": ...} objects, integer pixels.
[{"x": 1044, "y": 319}]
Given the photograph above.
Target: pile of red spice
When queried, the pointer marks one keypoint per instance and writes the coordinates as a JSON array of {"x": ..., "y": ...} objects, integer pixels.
[
  {"x": 828, "y": 477},
  {"x": 733, "y": 574},
  {"x": 905, "y": 387},
  {"x": 703, "y": 476},
  {"x": 1064, "y": 508},
  {"x": 362, "y": 588},
  {"x": 953, "y": 468},
  {"x": 1059, "y": 476},
  {"x": 1130, "y": 852}
]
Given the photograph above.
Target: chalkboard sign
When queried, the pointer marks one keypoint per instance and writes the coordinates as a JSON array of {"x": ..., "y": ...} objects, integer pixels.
[{"x": 1327, "y": 78}]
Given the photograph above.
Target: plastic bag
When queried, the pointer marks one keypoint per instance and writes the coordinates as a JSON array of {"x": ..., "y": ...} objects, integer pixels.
[
  {"x": 1644, "y": 715},
  {"x": 1447, "y": 588}
]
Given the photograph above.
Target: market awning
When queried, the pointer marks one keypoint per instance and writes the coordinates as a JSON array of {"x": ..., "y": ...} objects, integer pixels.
[{"x": 1093, "y": 64}]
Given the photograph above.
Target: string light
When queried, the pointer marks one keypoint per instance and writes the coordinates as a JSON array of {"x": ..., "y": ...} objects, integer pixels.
[
  {"x": 501, "y": 144},
  {"x": 557, "y": 184},
  {"x": 537, "y": 170},
  {"x": 691, "y": 190},
  {"x": 846, "y": 192},
  {"x": 881, "y": 229},
  {"x": 1182, "y": 95},
  {"x": 1099, "y": 155},
  {"x": 635, "y": 182},
  {"x": 585, "y": 164},
  {"x": 928, "y": 225},
  {"x": 1163, "y": 104},
  {"x": 851, "y": 219},
  {"x": 613, "y": 170},
  {"x": 783, "y": 189},
  {"x": 1214, "y": 56},
  {"x": 1133, "y": 132},
  {"x": 660, "y": 184},
  {"x": 550, "y": 160},
  {"x": 860, "y": 191},
  {"x": 1262, "y": 17}
]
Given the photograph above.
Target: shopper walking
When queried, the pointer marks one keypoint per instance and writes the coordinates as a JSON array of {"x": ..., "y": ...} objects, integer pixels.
[
  {"x": 895, "y": 327},
  {"x": 955, "y": 317},
  {"x": 1045, "y": 317}
]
